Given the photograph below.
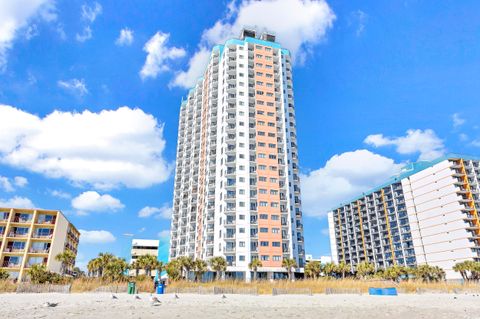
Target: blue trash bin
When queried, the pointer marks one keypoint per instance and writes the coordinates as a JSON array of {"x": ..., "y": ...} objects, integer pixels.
[{"x": 160, "y": 289}]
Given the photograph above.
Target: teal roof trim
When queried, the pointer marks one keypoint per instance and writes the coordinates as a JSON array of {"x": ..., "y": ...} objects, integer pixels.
[
  {"x": 263, "y": 42},
  {"x": 409, "y": 170},
  {"x": 285, "y": 52}
]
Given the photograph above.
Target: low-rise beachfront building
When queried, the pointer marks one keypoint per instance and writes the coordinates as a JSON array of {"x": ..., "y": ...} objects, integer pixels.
[
  {"x": 428, "y": 214},
  {"x": 34, "y": 236},
  {"x": 143, "y": 247}
]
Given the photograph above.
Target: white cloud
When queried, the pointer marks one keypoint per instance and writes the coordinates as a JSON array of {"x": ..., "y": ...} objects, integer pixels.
[
  {"x": 76, "y": 86},
  {"x": 90, "y": 13},
  {"x": 457, "y": 120},
  {"x": 109, "y": 149},
  {"x": 60, "y": 194},
  {"x": 298, "y": 25},
  {"x": 31, "y": 32},
  {"x": 5, "y": 184},
  {"x": 425, "y": 142},
  {"x": 196, "y": 67},
  {"x": 359, "y": 19},
  {"x": 17, "y": 15},
  {"x": 344, "y": 176},
  {"x": 158, "y": 55},
  {"x": 20, "y": 181},
  {"x": 85, "y": 35},
  {"x": 17, "y": 202},
  {"x": 96, "y": 236},
  {"x": 8, "y": 185},
  {"x": 476, "y": 143},
  {"x": 125, "y": 37},
  {"x": 164, "y": 234},
  {"x": 164, "y": 211},
  {"x": 92, "y": 201}
]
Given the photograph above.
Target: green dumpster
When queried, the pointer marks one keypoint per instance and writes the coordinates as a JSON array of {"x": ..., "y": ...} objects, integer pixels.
[{"x": 131, "y": 288}]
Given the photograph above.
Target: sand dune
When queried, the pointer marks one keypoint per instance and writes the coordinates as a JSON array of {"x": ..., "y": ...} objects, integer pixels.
[{"x": 102, "y": 305}]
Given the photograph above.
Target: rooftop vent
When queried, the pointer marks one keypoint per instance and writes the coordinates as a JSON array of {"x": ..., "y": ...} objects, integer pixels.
[
  {"x": 268, "y": 37},
  {"x": 247, "y": 33}
]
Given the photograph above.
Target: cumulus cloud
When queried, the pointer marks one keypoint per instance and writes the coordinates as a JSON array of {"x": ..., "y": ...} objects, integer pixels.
[
  {"x": 9, "y": 185},
  {"x": 109, "y": 149},
  {"x": 196, "y": 66},
  {"x": 164, "y": 211},
  {"x": 96, "y": 236},
  {"x": 17, "y": 202},
  {"x": 158, "y": 55},
  {"x": 85, "y": 35},
  {"x": 92, "y": 201},
  {"x": 298, "y": 24},
  {"x": 344, "y": 176},
  {"x": 125, "y": 38},
  {"x": 16, "y": 16},
  {"x": 164, "y": 233},
  {"x": 75, "y": 86},
  {"x": 425, "y": 142},
  {"x": 358, "y": 19},
  {"x": 457, "y": 120}
]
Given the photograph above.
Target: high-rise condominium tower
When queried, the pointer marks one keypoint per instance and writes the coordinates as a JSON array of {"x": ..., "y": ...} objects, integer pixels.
[
  {"x": 426, "y": 215},
  {"x": 237, "y": 192}
]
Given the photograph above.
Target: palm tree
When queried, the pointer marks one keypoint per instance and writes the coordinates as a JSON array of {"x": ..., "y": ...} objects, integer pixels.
[
  {"x": 38, "y": 274},
  {"x": 313, "y": 269},
  {"x": 329, "y": 269},
  {"x": 115, "y": 269},
  {"x": 288, "y": 264},
  {"x": 219, "y": 265},
  {"x": 174, "y": 269},
  {"x": 136, "y": 265},
  {"x": 364, "y": 269},
  {"x": 199, "y": 267},
  {"x": 429, "y": 273},
  {"x": 4, "y": 274},
  {"x": 253, "y": 265},
  {"x": 148, "y": 262},
  {"x": 342, "y": 268},
  {"x": 92, "y": 267},
  {"x": 67, "y": 258},
  {"x": 187, "y": 263},
  {"x": 159, "y": 268},
  {"x": 78, "y": 272},
  {"x": 103, "y": 260}
]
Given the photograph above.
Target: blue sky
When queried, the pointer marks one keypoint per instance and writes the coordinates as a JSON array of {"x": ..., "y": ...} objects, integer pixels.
[{"x": 377, "y": 85}]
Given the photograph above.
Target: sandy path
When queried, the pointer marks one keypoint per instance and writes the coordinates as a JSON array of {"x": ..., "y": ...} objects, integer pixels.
[{"x": 99, "y": 305}]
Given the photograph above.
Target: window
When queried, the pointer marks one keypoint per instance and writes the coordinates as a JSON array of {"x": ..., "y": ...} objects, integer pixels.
[
  {"x": 273, "y": 168},
  {"x": 264, "y": 243},
  {"x": 260, "y": 133},
  {"x": 271, "y": 124},
  {"x": 260, "y": 123},
  {"x": 241, "y": 230},
  {"x": 273, "y": 204},
  {"x": 264, "y": 258},
  {"x": 271, "y": 134},
  {"x": 259, "y": 74},
  {"x": 273, "y": 192},
  {"x": 241, "y": 191},
  {"x": 241, "y": 167},
  {"x": 263, "y": 216},
  {"x": 271, "y": 145},
  {"x": 241, "y": 217},
  {"x": 271, "y": 114},
  {"x": 275, "y": 217},
  {"x": 260, "y": 112},
  {"x": 262, "y": 167},
  {"x": 260, "y": 65},
  {"x": 259, "y": 83},
  {"x": 275, "y": 230},
  {"x": 262, "y": 179},
  {"x": 276, "y": 258},
  {"x": 275, "y": 244},
  {"x": 263, "y": 204},
  {"x": 261, "y": 144},
  {"x": 263, "y": 229},
  {"x": 262, "y": 191},
  {"x": 261, "y": 155},
  {"x": 241, "y": 258},
  {"x": 241, "y": 179},
  {"x": 260, "y": 102},
  {"x": 241, "y": 244},
  {"x": 241, "y": 204},
  {"x": 272, "y": 156}
]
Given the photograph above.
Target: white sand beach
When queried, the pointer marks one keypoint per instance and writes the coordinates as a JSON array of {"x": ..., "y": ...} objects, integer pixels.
[{"x": 101, "y": 305}]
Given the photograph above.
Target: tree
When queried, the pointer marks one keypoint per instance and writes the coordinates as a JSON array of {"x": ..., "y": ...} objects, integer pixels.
[
  {"x": 395, "y": 272},
  {"x": 186, "y": 263},
  {"x": 136, "y": 265},
  {"x": 343, "y": 268},
  {"x": 159, "y": 268},
  {"x": 219, "y": 265},
  {"x": 40, "y": 275},
  {"x": 92, "y": 267},
  {"x": 429, "y": 273},
  {"x": 313, "y": 269},
  {"x": 67, "y": 258},
  {"x": 289, "y": 264},
  {"x": 174, "y": 269},
  {"x": 469, "y": 270},
  {"x": 329, "y": 269},
  {"x": 253, "y": 265},
  {"x": 4, "y": 274},
  {"x": 148, "y": 262},
  {"x": 199, "y": 267},
  {"x": 364, "y": 269},
  {"x": 103, "y": 260},
  {"x": 78, "y": 273},
  {"x": 115, "y": 269}
]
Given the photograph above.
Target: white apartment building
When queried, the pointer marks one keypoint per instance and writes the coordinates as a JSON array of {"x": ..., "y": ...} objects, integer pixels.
[
  {"x": 426, "y": 215},
  {"x": 237, "y": 189}
]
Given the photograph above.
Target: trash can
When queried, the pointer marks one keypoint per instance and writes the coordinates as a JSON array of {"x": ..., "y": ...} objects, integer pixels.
[
  {"x": 131, "y": 288},
  {"x": 160, "y": 289}
]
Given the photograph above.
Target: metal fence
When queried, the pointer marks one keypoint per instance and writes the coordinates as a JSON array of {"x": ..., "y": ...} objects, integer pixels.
[{"x": 42, "y": 288}]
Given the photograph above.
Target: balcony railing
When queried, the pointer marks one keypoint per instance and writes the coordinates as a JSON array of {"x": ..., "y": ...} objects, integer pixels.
[
  {"x": 9, "y": 264},
  {"x": 21, "y": 235}
]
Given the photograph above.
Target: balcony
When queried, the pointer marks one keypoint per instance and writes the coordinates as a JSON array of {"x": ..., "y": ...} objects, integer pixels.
[{"x": 18, "y": 235}]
